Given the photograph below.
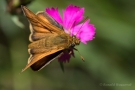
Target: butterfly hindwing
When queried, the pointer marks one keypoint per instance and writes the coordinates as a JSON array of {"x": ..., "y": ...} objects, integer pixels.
[
  {"x": 41, "y": 58},
  {"x": 45, "y": 61}
]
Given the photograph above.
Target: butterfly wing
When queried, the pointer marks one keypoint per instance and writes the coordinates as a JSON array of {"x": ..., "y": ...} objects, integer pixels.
[
  {"x": 38, "y": 61},
  {"x": 42, "y": 32},
  {"x": 45, "y": 61},
  {"x": 36, "y": 20},
  {"x": 42, "y": 26}
]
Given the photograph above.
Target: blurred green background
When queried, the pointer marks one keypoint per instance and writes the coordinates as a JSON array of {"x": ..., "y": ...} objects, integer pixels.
[{"x": 109, "y": 58}]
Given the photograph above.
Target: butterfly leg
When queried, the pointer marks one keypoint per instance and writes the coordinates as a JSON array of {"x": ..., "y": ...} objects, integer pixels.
[{"x": 79, "y": 53}]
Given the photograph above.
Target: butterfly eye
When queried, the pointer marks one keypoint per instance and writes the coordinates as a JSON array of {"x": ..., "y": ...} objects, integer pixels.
[{"x": 72, "y": 45}]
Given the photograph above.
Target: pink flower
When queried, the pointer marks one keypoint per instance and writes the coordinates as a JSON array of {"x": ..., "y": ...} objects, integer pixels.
[{"x": 72, "y": 16}]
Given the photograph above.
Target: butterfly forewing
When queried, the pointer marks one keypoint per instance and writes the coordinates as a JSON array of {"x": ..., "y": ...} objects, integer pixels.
[
  {"x": 37, "y": 21},
  {"x": 38, "y": 32},
  {"x": 46, "y": 18}
]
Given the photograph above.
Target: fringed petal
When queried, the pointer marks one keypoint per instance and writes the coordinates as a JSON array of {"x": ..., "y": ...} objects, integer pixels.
[
  {"x": 72, "y": 15},
  {"x": 54, "y": 13},
  {"x": 85, "y": 31}
]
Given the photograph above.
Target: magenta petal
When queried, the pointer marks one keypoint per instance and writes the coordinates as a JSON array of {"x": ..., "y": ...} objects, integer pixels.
[
  {"x": 54, "y": 13},
  {"x": 85, "y": 31},
  {"x": 72, "y": 16},
  {"x": 65, "y": 57}
]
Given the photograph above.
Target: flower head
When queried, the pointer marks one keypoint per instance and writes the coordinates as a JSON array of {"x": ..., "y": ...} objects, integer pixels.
[{"x": 72, "y": 16}]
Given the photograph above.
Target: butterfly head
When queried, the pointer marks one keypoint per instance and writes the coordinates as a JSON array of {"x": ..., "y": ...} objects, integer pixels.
[{"x": 75, "y": 41}]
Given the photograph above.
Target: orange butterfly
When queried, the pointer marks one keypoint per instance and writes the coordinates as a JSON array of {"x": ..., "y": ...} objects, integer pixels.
[{"x": 48, "y": 40}]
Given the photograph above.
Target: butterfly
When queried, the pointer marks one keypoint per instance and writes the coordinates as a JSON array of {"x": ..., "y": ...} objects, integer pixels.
[{"x": 48, "y": 39}]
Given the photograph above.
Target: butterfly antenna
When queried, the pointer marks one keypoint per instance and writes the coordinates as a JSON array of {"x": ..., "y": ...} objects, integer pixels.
[
  {"x": 79, "y": 54},
  {"x": 82, "y": 24},
  {"x": 69, "y": 30}
]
